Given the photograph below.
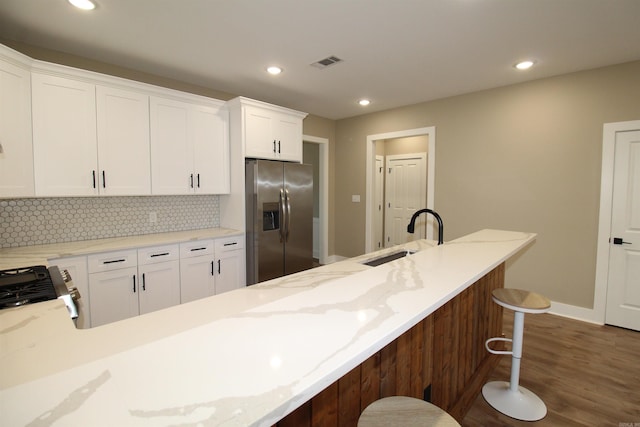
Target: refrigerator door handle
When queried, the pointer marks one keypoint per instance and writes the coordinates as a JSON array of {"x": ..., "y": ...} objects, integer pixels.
[
  {"x": 283, "y": 215},
  {"x": 288, "y": 216}
]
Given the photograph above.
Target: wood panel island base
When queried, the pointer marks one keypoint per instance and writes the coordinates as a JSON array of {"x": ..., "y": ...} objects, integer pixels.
[
  {"x": 442, "y": 359},
  {"x": 313, "y": 348}
]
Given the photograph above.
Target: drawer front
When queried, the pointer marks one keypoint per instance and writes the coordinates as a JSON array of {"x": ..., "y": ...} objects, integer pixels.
[
  {"x": 158, "y": 254},
  {"x": 229, "y": 244},
  {"x": 197, "y": 248},
  {"x": 109, "y": 261}
]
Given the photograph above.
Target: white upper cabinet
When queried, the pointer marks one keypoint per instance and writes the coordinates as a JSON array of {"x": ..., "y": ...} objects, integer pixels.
[
  {"x": 16, "y": 150},
  {"x": 269, "y": 131},
  {"x": 64, "y": 136},
  {"x": 189, "y": 148},
  {"x": 123, "y": 142}
]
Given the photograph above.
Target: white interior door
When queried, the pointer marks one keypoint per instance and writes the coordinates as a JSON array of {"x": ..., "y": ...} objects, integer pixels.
[
  {"x": 623, "y": 290},
  {"x": 405, "y": 193},
  {"x": 378, "y": 214}
]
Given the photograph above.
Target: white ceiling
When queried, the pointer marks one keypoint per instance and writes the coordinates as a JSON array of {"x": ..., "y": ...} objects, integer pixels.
[{"x": 395, "y": 52}]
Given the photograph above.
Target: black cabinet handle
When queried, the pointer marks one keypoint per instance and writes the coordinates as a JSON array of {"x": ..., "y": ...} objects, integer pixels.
[
  {"x": 212, "y": 271},
  {"x": 278, "y": 147},
  {"x": 191, "y": 178},
  {"x": 160, "y": 254},
  {"x": 114, "y": 261},
  {"x": 218, "y": 266},
  {"x": 619, "y": 241},
  {"x": 144, "y": 283},
  {"x": 104, "y": 179},
  {"x": 230, "y": 244},
  {"x": 198, "y": 180},
  {"x": 134, "y": 283},
  {"x": 197, "y": 249},
  {"x": 93, "y": 173},
  {"x": 274, "y": 145}
]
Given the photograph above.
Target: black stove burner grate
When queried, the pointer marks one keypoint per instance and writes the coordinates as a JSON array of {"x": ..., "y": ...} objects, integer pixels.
[{"x": 22, "y": 286}]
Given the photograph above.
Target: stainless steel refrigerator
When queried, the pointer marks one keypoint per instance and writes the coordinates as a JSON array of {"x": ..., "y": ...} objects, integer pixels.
[{"x": 279, "y": 218}]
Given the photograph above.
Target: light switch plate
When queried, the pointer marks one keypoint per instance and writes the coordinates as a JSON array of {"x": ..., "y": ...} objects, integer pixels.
[{"x": 355, "y": 198}]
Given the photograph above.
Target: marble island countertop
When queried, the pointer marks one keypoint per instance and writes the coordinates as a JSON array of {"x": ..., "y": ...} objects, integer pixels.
[{"x": 246, "y": 357}]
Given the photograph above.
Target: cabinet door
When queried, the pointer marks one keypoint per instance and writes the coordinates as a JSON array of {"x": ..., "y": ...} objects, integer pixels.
[
  {"x": 230, "y": 271},
  {"x": 288, "y": 133},
  {"x": 160, "y": 286},
  {"x": 258, "y": 133},
  {"x": 16, "y": 149},
  {"x": 197, "y": 278},
  {"x": 77, "y": 268},
  {"x": 64, "y": 136},
  {"x": 114, "y": 295},
  {"x": 123, "y": 142},
  {"x": 210, "y": 135},
  {"x": 171, "y": 148}
]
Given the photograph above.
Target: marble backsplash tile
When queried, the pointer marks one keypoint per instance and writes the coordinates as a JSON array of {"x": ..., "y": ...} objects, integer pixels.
[{"x": 28, "y": 222}]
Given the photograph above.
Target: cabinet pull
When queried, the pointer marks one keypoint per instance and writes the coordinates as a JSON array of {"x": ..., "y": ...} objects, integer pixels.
[
  {"x": 197, "y": 249},
  {"x": 104, "y": 179},
  {"x": 162, "y": 254},
  {"x": 144, "y": 283},
  {"x": 230, "y": 244},
  {"x": 93, "y": 174},
  {"x": 212, "y": 271},
  {"x": 218, "y": 266},
  {"x": 134, "y": 283},
  {"x": 191, "y": 180},
  {"x": 274, "y": 145},
  {"x": 198, "y": 180},
  {"x": 278, "y": 147},
  {"x": 114, "y": 261}
]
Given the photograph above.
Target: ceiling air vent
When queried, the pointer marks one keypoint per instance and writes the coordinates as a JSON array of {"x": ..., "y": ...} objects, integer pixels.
[{"x": 326, "y": 62}]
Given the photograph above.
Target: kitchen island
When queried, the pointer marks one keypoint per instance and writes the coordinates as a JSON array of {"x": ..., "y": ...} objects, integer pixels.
[{"x": 276, "y": 352}]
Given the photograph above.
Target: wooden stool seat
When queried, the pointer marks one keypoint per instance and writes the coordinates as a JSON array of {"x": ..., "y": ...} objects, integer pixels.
[
  {"x": 519, "y": 300},
  {"x": 406, "y": 412}
]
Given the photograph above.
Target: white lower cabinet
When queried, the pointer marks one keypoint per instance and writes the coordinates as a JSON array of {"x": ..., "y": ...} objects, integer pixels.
[
  {"x": 230, "y": 264},
  {"x": 197, "y": 270},
  {"x": 128, "y": 283},
  {"x": 117, "y": 285},
  {"x": 77, "y": 268}
]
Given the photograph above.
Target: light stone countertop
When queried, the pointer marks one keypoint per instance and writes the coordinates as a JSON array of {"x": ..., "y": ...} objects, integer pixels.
[
  {"x": 26, "y": 256},
  {"x": 246, "y": 357}
]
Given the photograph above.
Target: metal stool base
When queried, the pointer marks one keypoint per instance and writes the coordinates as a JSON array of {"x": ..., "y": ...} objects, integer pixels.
[{"x": 521, "y": 404}]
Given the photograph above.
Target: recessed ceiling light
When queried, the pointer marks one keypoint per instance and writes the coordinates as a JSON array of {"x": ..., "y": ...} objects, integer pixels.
[
  {"x": 83, "y": 4},
  {"x": 274, "y": 70},
  {"x": 364, "y": 102},
  {"x": 524, "y": 65}
]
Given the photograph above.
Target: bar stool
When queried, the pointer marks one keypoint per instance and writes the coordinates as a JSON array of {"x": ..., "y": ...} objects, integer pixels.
[
  {"x": 406, "y": 412},
  {"x": 508, "y": 397}
]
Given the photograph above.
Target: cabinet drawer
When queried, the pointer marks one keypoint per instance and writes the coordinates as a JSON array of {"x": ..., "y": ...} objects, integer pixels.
[
  {"x": 197, "y": 248},
  {"x": 157, "y": 254},
  {"x": 109, "y": 261},
  {"x": 229, "y": 244}
]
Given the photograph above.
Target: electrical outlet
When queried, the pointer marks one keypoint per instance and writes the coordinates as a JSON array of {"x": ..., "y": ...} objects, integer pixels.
[{"x": 153, "y": 217}]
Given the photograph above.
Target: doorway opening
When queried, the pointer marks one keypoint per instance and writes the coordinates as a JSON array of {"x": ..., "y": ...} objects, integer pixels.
[
  {"x": 372, "y": 189},
  {"x": 317, "y": 153}
]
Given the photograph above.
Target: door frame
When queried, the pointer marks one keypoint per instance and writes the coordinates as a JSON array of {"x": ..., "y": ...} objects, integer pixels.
[
  {"x": 323, "y": 231},
  {"x": 370, "y": 178},
  {"x": 604, "y": 223}
]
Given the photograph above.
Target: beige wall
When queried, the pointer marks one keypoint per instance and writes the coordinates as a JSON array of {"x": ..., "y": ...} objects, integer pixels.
[{"x": 524, "y": 157}]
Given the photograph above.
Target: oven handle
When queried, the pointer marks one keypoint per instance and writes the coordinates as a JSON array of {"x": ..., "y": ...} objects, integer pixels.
[{"x": 134, "y": 283}]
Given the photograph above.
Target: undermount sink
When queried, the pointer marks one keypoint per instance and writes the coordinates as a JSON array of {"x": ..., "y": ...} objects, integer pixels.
[{"x": 388, "y": 258}]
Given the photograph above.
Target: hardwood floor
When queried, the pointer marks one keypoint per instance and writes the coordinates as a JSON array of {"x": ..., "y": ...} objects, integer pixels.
[{"x": 587, "y": 375}]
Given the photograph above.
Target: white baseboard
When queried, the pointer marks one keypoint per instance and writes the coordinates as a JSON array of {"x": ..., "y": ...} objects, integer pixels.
[
  {"x": 335, "y": 258},
  {"x": 575, "y": 312}
]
